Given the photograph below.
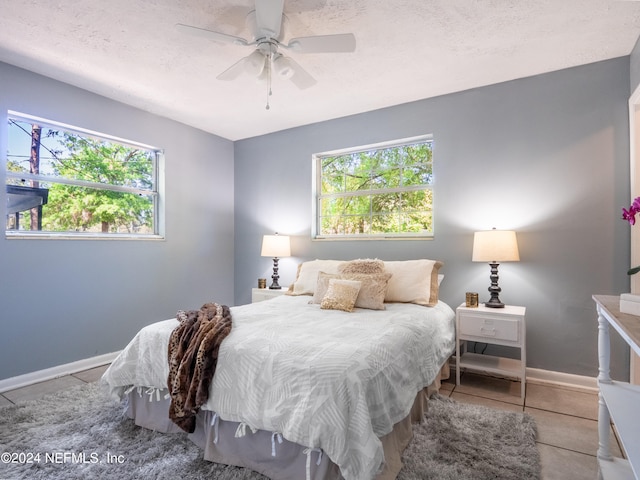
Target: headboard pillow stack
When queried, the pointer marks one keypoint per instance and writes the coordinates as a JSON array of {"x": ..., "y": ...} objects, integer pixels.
[
  {"x": 405, "y": 281},
  {"x": 371, "y": 275}
]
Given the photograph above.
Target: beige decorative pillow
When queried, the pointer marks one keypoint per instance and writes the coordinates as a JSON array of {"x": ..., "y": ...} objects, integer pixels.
[
  {"x": 372, "y": 291},
  {"x": 365, "y": 265},
  {"x": 341, "y": 295},
  {"x": 413, "y": 281},
  {"x": 307, "y": 276},
  {"x": 322, "y": 284}
]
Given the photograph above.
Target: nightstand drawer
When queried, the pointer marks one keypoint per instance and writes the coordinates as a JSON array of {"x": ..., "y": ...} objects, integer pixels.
[
  {"x": 495, "y": 328},
  {"x": 261, "y": 294}
]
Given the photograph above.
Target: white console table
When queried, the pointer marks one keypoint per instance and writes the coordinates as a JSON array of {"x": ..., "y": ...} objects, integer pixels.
[{"x": 618, "y": 401}]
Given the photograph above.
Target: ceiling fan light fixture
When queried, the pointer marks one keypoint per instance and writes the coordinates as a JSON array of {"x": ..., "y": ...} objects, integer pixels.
[
  {"x": 283, "y": 67},
  {"x": 254, "y": 63}
]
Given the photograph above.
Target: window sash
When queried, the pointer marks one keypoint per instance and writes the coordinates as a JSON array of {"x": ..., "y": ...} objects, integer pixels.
[
  {"x": 80, "y": 183},
  {"x": 371, "y": 192},
  {"x": 155, "y": 157}
]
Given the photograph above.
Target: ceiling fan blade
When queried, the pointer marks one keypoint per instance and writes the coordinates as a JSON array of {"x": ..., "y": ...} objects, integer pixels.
[
  {"x": 342, "y": 42},
  {"x": 300, "y": 78},
  {"x": 269, "y": 16},
  {"x": 234, "y": 71},
  {"x": 211, "y": 35}
]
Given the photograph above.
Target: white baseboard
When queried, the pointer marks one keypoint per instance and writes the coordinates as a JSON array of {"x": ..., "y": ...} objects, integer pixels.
[
  {"x": 561, "y": 379},
  {"x": 55, "y": 372},
  {"x": 557, "y": 379}
]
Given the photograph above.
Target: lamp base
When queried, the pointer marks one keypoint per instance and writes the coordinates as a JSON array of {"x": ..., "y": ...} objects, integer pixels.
[
  {"x": 274, "y": 285},
  {"x": 494, "y": 289},
  {"x": 494, "y": 303}
]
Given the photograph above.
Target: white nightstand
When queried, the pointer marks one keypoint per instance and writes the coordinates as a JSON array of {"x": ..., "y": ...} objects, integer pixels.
[
  {"x": 499, "y": 326},
  {"x": 261, "y": 294}
]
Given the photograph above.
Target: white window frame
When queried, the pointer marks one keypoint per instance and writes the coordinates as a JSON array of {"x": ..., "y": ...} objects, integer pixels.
[
  {"x": 317, "y": 188},
  {"x": 157, "y": 193}
]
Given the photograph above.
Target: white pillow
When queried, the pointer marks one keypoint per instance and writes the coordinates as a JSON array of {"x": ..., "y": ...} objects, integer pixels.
[
  {"x": 307, "y": 277},
  {"x": 413, "y": 281}
]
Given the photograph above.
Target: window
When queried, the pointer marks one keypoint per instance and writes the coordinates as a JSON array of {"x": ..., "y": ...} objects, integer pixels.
[
  {"x": 62, "y": 181},
  {"x": 378, "y": 191}
]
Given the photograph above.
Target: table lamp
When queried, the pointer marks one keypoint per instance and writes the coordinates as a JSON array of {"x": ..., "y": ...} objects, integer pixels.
[
  {"x": 276, "y": 246},
  {"x": 495, "y": 246}
]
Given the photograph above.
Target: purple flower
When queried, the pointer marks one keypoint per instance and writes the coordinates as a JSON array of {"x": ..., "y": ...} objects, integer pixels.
[{"x": 630, "y": 215}]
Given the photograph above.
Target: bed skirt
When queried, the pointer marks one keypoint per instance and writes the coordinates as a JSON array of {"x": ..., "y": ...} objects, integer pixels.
[{"x": 233, "y": 443}]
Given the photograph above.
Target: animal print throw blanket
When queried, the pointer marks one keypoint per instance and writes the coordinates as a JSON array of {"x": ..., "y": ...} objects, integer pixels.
[{"x": 193, "y": 356}]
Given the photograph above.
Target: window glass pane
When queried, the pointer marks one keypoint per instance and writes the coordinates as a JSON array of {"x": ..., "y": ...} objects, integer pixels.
[
  {"x": 74, "y": 156},
  {"x": 60, "y": 180},
  {"x": 78, "y": 209},
  {"x": 356, "y": 224},
  {"x": 386, "y": 202},
  {"x": 416, "y": 201},
  {"x": 389, "y": 178},
  {"x": 417, "y": 222},
  {"x": 333, "y": 225},
  {"x": 385, "y": 223},
  {"x": 333, "y": 183}
]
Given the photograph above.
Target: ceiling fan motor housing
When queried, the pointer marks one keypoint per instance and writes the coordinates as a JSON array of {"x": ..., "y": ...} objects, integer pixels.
[{"x": 258, "y": 33}]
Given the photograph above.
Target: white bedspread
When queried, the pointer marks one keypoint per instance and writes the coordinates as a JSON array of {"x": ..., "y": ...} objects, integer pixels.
[{"x": 322, "y": 378}]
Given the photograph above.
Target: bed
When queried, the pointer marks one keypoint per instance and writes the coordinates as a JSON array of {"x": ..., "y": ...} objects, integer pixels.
[{"x": 305, "y": 388}]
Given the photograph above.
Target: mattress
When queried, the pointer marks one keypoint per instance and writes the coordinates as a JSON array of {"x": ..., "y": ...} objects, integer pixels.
[{"x": 323, "y": 379}]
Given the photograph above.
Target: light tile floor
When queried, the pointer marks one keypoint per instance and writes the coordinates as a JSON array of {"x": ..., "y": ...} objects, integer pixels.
[
  {"x": 37, "y": 390},
  {"x": 566, "y": 419}
]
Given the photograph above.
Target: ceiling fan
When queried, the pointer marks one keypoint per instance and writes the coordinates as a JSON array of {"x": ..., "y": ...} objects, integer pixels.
[{"x": 265, "y": 24}]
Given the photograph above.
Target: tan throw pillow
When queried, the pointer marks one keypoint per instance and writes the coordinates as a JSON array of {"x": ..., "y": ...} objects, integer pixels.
[
  {"x": 413, "y": 281},
  {"x": 373, "y": 289},
  {"x": 365, "y": 265},
  {"x": 341, "y": 295},
  {"x": 307, "y": 276},
  {"x": 322, "y": 284}
]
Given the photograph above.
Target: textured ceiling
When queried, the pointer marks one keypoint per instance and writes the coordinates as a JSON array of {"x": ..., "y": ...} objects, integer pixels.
[{"x": 129, "y": 50}]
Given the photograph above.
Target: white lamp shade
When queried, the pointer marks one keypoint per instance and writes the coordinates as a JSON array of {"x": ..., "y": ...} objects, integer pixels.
[
  {"x": 276, "y": 246},
  {"x": 495, "y": 246}
]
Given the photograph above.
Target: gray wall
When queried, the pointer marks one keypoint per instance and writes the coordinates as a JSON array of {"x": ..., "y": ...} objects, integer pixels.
[
  {"x": 67, "y": 300},
  {"x": 546, "y": 156}
]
